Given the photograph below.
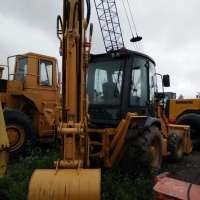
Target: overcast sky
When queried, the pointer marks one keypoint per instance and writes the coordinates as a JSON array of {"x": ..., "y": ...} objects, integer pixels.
[{"x": 170, "y": 31}]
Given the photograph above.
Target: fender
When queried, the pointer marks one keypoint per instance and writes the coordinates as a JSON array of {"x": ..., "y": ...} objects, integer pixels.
[{"x": 152, "y": 121}]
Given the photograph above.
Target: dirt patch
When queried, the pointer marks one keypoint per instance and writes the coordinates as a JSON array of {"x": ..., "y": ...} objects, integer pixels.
[{"x": 187, "y": 170}]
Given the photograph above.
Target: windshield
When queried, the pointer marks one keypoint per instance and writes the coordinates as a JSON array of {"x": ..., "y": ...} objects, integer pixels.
[
  {"x": 46, "y": 73},
  {"x": 104, "y": 82}
]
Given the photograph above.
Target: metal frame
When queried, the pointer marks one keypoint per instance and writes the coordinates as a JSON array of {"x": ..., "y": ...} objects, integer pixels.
[{"x": 109, "y": 24}]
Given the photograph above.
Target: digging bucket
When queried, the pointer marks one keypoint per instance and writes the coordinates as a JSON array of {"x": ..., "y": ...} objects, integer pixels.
[{"x": 65, "y": 184}]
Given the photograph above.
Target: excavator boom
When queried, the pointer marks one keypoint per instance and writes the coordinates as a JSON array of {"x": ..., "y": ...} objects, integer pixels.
[{"x": 71, "y": 179}]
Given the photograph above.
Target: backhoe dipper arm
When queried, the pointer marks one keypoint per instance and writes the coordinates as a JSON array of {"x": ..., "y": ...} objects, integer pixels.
[
  {"x": 74, "y": 124},
  {"x": 72, "y": 59},
  {"x": 70, "y": 179},
  {"x": 73, "y": 53}
]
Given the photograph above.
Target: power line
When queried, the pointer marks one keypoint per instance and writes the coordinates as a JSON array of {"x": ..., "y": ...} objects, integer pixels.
[
  {"x": 127, "y": 18},
  {"x": 131, "y": 13},
  {"x": 129, "y": 23},
  {"x": 140, "y": 44}
]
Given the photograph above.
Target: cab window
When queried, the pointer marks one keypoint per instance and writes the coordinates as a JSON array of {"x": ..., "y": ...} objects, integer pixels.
[
  {"x": 138, "y": 86},
  {"x": 46, "y": 73},
  {"x": 152, "y": 81},
  {"x": 105, "y": 82},
  {"x": 21, "y": 69},
  {"x": 135, "y": 86}
]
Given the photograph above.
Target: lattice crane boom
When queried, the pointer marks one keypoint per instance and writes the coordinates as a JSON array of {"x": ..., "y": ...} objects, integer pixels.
[{"x": 109, "y": 24}]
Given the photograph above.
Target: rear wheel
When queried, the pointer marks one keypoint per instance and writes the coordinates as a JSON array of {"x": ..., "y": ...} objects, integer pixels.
[
  {"x": 19, "y": 130},
  {"x": 193, "y": 120},
  {"x": 153, "y": 145}
]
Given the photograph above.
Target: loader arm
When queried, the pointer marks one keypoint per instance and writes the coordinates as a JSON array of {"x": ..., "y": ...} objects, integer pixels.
[{"x": 4, "y": 144}]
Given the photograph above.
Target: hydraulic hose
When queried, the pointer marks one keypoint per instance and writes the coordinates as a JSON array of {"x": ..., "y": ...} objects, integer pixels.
[{"x": 88, "y": 11}]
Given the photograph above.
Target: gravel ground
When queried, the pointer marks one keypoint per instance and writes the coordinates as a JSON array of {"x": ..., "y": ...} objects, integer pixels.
[{"x": 187, "y": 169}]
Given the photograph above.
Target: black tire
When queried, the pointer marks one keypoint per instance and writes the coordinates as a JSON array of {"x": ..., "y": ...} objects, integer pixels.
[
  {"x": 137, "y": 158},
  {"x": 20, "y": 131},
  {"x": 193, "y": 120},
  {"x": 175, "y": 147},
  {"x": 153, "y": 145}
]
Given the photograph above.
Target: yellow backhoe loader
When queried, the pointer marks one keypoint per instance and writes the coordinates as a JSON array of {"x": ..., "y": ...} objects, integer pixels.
[{"x": 101, "y": 129}]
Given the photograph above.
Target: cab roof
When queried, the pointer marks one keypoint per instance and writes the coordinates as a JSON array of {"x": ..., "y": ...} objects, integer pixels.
[{"x": 119, "y": 53}]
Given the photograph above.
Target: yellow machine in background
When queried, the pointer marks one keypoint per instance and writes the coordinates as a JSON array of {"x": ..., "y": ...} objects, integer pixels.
[
  {"x": 4, "y": 144},
  {"x": 187, "y": 112},
  {"x": 30, "y": 96},
  {"x": 179, "y": 107}
]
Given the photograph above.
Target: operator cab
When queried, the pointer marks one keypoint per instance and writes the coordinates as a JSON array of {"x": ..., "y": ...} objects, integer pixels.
[
  {"x": 117, "y": 83},
  {"x": 32, "y": 70}
]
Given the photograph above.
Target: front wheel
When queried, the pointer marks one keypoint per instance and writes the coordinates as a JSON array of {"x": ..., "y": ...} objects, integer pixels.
[
  {"x": 193, "y": 120},
  {"x": 142, "y": 154},
  {"x": 19, "y": 130}
]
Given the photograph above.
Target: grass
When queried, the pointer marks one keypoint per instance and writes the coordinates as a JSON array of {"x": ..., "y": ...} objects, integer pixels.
[
  {"x": 14, "y": 186},
  {"x": 119, "y": 187}
]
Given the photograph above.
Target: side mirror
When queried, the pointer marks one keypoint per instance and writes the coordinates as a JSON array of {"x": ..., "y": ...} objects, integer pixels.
[
  {"x": 91, "y": 32},
  {"x": 166, "y": 80}
]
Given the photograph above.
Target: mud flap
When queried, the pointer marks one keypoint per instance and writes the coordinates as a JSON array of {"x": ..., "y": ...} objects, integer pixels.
[{"x": 82, "y": 184}]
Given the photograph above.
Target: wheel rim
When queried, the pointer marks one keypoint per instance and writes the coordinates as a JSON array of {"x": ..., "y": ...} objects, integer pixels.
[
  {"x": 154, "y": 151},
  {"x": 16, "y": 136}
]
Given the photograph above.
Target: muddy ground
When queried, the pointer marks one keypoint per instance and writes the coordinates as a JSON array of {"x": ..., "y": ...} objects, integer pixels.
[{"x": 187, "y": 169}]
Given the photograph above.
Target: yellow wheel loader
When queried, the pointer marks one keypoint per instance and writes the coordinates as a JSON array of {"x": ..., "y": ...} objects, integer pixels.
[
  {"x": 4, "y": 144},
  {"x": 100, "y": 129},
  {"x": 185, "y": 111},
  {"x": 30, "y": 96}
]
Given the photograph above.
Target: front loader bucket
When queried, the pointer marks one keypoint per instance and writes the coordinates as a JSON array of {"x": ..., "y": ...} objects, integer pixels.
[
  {"x": 4, "y": 144},
  {"x": 65, "y": 184}
]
